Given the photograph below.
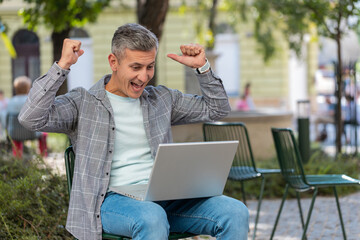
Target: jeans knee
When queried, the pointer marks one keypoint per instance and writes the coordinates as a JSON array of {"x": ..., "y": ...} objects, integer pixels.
[
  {"x": 240, "y": 214},
  {"x": 235, "y": 222},
  {"x": 152, "y": 226}
]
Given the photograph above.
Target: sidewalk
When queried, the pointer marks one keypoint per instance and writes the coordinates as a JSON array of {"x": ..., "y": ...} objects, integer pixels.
[{"x": 324, "y": 223}]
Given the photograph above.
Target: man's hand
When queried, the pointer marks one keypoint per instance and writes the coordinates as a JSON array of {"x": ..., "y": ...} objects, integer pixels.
[
  {"x": 70, "y": 53},
  {"x": 193, "y": 55}
]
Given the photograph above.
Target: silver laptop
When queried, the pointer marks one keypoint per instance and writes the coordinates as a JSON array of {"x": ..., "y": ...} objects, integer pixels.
[{"x": 185, "y": 170}]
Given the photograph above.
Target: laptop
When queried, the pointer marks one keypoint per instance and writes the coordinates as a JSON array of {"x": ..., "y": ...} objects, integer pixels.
[{"x": 185, "y": 170}]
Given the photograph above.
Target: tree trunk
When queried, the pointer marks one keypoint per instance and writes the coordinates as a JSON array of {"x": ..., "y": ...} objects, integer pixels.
[
  {"x": 212, "y": 18},
  {"x": 151, "y": 14},
  {"x": 57, "y": 42},
  {"x": 338, "y": 91}
]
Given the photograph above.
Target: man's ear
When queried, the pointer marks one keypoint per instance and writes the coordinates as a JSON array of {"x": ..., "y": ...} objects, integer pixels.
[{"x": 113, "y": 62}]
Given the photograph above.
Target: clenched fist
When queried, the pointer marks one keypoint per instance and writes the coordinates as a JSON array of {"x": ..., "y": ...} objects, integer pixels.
[
  {"x": 193, "y": 55},
  {"x": 70, "y": 53}
]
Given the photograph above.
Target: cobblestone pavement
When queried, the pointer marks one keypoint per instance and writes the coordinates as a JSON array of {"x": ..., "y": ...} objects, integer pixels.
[{"x": 324, "y": 223}]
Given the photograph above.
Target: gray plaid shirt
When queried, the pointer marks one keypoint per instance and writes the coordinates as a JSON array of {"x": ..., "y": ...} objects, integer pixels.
[{"x": 87, "y": 118}]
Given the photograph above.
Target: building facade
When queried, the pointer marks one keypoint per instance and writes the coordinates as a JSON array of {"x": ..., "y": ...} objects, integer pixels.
[{"x": 238, "y": 61}]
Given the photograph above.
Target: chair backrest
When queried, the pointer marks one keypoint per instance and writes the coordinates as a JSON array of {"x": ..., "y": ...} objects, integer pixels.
[
  {"x": 69, "y": 165},
  {"x": 17, "y": 131},
  {"x": 224, "y": 131},
  {"x": 289, "y": 158}
]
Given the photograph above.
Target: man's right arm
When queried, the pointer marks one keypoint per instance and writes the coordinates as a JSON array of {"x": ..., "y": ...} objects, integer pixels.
[{"x": 42, "y": 111}]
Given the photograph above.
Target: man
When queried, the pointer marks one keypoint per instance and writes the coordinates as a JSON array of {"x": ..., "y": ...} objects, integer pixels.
[
  {"x": 116, "y": 127},
  {"x": 17, "y": 133}
]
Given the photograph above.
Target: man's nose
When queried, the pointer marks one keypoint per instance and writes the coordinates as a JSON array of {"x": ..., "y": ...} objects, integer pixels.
[{"x": 143, "y": 75}]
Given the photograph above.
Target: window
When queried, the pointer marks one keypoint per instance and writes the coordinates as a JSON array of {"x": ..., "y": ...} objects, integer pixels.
[{"x": 27, "y": 47}]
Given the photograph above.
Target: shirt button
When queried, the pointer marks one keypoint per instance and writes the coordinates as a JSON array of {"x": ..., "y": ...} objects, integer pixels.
[
  {"x": 98, "y": 216},
  {"x": 63, "y": 75},
  {"x": 102, "y": 195},
  {"x": 113, "y": 128},
  {"x": 107, "y": 173},
  {"x": 58, "y": 73},
  {"x": 110, "y": 151}
]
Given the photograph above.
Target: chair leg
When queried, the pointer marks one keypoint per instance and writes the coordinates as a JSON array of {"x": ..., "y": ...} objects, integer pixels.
[
  {"x": 300, "y": 210},
  {"x": 243, "y": 191},
  {"x": 340, "y": 214},
  {"x": 280, "y": 209},
  {"x": 259, "y": 205},
  {"x": 309, "y": 213}
]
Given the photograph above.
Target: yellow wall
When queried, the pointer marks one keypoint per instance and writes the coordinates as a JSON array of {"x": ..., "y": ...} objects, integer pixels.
[{"x": 269, "y": 80}]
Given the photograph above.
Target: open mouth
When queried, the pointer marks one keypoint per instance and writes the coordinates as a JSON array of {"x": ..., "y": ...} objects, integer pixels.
[{"x": 137, "y": 86}]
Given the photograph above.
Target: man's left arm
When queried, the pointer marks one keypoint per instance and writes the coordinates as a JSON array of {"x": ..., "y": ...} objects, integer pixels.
[{"x": 213, "y": 104}]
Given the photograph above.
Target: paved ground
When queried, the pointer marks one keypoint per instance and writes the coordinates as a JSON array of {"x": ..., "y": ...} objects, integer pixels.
[{"x": 324, "y": 222}]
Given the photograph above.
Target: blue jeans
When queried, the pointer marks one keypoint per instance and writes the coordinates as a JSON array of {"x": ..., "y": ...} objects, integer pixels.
[{"x": 221, "y": 217}]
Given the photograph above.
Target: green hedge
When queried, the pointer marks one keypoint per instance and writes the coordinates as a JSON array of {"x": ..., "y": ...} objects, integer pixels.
[{"x": 33, "y": 200}]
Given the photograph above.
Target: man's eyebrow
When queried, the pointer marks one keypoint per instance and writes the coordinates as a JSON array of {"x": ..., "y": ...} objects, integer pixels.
[{"x": 140, "y": 64}]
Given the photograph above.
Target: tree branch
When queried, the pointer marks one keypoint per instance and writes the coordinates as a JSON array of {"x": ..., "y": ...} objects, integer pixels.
[
  {"x": 32, "y": 226},
  {"x": 317, "y": 14}
]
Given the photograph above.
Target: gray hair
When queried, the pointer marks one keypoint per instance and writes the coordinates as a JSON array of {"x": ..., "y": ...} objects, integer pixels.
[{"x": 134, "y": 37}]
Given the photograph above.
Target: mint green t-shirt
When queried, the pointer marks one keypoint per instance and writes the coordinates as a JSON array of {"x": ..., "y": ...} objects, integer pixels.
[{"x": 132, "y": 161}]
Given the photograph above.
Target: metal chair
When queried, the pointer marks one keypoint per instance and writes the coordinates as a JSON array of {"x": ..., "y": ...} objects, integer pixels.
[
  {"x": 243, "y": 168},
  {"x": 292, "y": 170},
  {"x": 17, "y": 131},
  {"x": 17, "y": 134},
  {"x": 69, "y": 165}
]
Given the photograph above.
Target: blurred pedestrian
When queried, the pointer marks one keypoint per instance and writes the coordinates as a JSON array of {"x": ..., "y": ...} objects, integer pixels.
[
  {"x": 324, "y": 116},
  {"x": 16, "y": 132},
  {"x": 3, "y": 100},
  {"x": 242, "y": 104},
  {"x": 3, "y": 105},
  {"x": 248, "y": 97},
  {"x": 245, "y": 103}
]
